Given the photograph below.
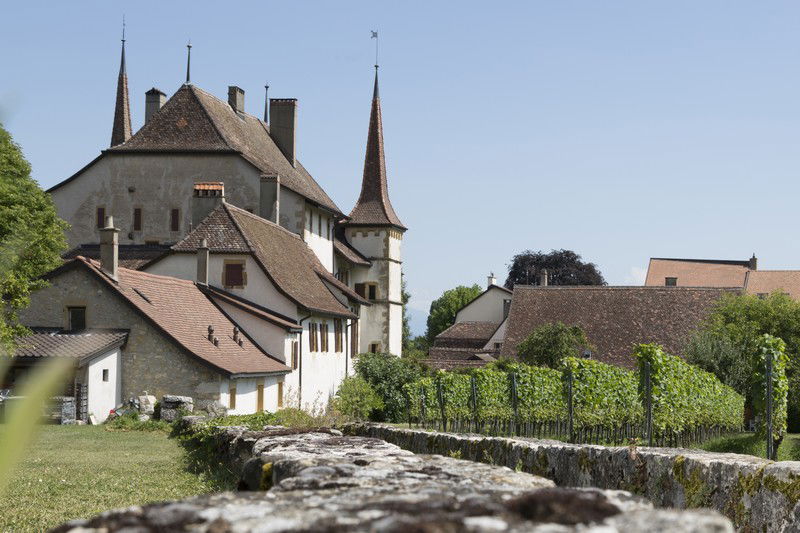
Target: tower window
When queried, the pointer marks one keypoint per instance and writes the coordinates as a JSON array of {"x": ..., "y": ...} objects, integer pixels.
[
  {"x": 137, "y": 219},
  {"x": 105, "y": 374},
  {"x": 76, "y": 318},
  {"x": 374, "y": 347},
  {"x": 670, "y": 282},
  {"x": 372, "y": 291},
  {"x": 101, "y": 217},
  {"x": 175, "y": 220}
]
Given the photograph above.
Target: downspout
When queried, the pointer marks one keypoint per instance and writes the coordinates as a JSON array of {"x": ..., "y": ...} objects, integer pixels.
[{"x": 300, "y": 367}]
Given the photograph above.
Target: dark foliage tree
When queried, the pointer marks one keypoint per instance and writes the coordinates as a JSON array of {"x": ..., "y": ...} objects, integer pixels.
[
  {"x": 443, "y": 310},
  {"x": 549, "y": 344},
  {"x": 564, "y": 267}
]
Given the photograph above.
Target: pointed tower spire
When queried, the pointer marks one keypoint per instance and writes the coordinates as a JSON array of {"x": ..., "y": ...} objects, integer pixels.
[
  {"x": 373, "y": 207},
  {"x": 121, "y": 131}
]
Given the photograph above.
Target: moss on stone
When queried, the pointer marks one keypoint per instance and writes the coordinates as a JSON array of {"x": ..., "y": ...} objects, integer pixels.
[
  {"x": 696, "y": 492},
  {"x": 266, "y": 477},
  {"x": 584, "y": 461},
  {"x": 789, "y": 488},
  {"x": 746, "y": 484}
]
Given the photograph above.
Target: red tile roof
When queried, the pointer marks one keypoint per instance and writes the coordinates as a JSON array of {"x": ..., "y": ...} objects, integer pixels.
[
  {"x": 209, "y": 186},
  {"x": 615, "y": 319},
  {"x": 45, "y": 342},
  {"x": 285, "y": 258},
  {"x": 344, "y": 249},
  {"x": 221, "y": 296},
  {"x": 182, "y": 312},
  {"x": 193, "y": 120}
]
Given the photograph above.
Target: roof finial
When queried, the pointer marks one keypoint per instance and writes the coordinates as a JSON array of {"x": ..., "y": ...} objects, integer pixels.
[
  {"x": 188, "y": 61},
  {"x": 122, "y": 62},
  {"x": 266, "y": 103},
  {"x": 375, "y": 36}
]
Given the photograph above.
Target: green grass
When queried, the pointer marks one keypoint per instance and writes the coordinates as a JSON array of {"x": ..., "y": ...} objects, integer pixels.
[
  {"x": 749, "y": 444},
  {"x": 78, "y": 471}
]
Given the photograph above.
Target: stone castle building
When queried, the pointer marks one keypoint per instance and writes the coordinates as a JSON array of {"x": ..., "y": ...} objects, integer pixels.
[{"x": 205, "y": 220}]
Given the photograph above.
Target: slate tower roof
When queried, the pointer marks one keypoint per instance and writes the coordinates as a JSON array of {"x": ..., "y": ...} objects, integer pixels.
[
  {"x": 121, "y": 131},
  {"x": 373, "y": 207}
]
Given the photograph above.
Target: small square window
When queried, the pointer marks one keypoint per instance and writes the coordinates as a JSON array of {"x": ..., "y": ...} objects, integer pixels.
[
  {"x": 76, "y": 318},
  {"x": 101, "y": 217},
  {"x": 374, "y": 347},
  {"x": 105, "y": 374},
  {"x": 233, "y": 274},
  {"x": 670, "y": 282},
  {"x": 372, "y": 292}
]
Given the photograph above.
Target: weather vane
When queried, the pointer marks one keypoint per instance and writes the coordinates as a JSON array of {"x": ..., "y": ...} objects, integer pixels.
[
  {"x": 123, "y": 28},
  {"x": 375, "y": 36}
]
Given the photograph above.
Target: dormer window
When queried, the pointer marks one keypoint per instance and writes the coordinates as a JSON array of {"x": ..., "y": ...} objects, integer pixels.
[
  {"x": 233, "y": 274},
  {"x": 76, "y": 318},
  {"x": 670, "y": 282}
]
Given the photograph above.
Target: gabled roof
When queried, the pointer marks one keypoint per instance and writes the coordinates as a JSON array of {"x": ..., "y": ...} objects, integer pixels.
[
  {"x": 615, "y": 319},
  {"x": 346, "y": 250},
  {"x": 767, "y": 281},
  {"x": 697, "y": 272},
  {"x": 373, "y": 207},
  {"x": 285, "y": 258},
  {"x": 220, "y": 296},
  {"x": 196, "y": 121},
  {"x": 48, "y": 342},
  {"x": 183, "y": 313},
  {"x": 133, "y": 256}
]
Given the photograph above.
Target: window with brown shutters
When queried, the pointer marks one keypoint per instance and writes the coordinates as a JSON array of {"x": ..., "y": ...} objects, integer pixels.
[
  {"x": 354, "y": 338},
  {"x": 232, "y": 396},
  {"x": 294, "y": 355},
  {"x": 361, "y": 289},
  {"x": 280, "y": 394},
  {"x": 323, "y": 329},
  {"x": 101, "y": 217},
  {"x": 312, "y": 337},
  {"x": 372, "y": 291},
  {"x": 137, "y": 219},
  {"x": 338, "y": 345},
  {"x": 175, "y": 220},
  {"x": 233, "y": 274}
]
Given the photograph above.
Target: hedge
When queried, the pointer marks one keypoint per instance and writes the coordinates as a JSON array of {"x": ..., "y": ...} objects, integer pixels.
[
  {"x": 684, "y": 397},
  {"x": 602, "y": 395},
  {"x": 768, "y": 346}
]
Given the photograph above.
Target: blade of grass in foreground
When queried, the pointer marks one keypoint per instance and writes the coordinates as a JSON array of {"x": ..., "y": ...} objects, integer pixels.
[{"x": 23, "y": 415}]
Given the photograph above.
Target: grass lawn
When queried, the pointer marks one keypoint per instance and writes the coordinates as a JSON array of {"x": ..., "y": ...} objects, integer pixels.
[
  {"x": 749, "y": 444},
  {"x": 78, "y": 471}
]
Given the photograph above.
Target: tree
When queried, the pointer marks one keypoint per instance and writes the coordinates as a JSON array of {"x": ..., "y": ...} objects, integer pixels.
[
  {"x": 443, "y": 310},
  {"x": 356, "y": 398},
  {"x": 739, "y": 320},
  {"x": 564, "y": 267},
  {"x": 31, "y": 237},
  {"x": 549, "y": 344},
  {"x": 405, "y": 296},
  {"x": 387, "y": 374}
]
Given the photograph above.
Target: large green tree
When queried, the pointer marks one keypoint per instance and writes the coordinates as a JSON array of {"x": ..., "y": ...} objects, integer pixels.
[
  {"x": 443, "y": 310},
  {"x": 549, "y": 344},
  {"x": 564, "y": 267},
  {"x": 31, "y": 237},
  {"x": 728, "y": 341}
]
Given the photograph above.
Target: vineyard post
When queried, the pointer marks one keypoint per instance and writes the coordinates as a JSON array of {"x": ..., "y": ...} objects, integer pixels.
[
  {"x": 514, "y": 402},
  {"x": 474, "y": 398},
  {"x": 570, "y": 407},
  {"x": 422, "y": 406},
  {"x": 440, "y": 395},
  {"x": 770, "y": 443},
  {"x": 648, "y": 404}
]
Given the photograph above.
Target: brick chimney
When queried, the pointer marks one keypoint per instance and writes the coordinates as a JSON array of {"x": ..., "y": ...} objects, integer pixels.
[
  {"x": 153, "y": 101},
  {"x": 202, "y": 263},
  {"x": 206, "y": 197},
  {"x": 236, "y": 98},
  {"x": 543, "y": 278},
  {"x": 109, "y": 248},
  {"x": 753, "y": 263},
  {"x": 490, "y": 280},
  {"x": 283, "y": 126}
]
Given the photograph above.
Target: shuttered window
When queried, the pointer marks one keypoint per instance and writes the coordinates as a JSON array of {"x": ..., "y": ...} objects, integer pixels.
[
  {"x": 101, "y": 217},
  {"x": 175, "y": 220},
  {"x": 312, "y": 337},
  {"x": 232, "y": 396},
  {"x": 294, "y": 355},
  {"x": 280, "y": 394},
  {"x": 354, "y": 338},
  {"x": 338, "y": 344},
  {"x": 233, "y": 274},
  {"x": 361, "y": 289},
  {"x": 137, "y": 219},
  {"x": 259, "y": 397},
  {"x": 323, "y": 330}
]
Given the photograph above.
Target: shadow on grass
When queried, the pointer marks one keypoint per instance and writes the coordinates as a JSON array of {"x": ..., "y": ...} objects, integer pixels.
[
  {"x": 202, "y": 458},
  {"x": 752, "y": 444}
]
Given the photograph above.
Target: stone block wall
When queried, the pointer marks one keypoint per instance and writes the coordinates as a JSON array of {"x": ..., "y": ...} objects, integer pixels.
[{"x": 756, "y": 494}]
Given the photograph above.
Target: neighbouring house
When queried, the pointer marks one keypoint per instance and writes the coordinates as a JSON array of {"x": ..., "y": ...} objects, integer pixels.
[
  {"x": 273, "y": 286},
  {"x": 95, "y": 381},
  {"x": 179, "y": 341},
  {"x": 195, "y": 148},
  {"x": 615, "y": 319},
  {"x": 674, "y": 272},
  {"x": 476, "y": 337}
]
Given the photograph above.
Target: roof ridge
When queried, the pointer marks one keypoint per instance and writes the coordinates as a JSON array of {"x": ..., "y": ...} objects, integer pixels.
[
  {"x": 623, "y": 287},
  {"x": 97, "y": 266},
  {"x": 210, "y": 118},
  {"x": 244, "y": 212}
]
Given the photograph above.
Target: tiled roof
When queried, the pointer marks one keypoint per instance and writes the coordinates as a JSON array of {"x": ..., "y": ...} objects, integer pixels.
[
  {"x": 78, "y": 345},
  {"x": 121, "y": 130},
  {"x": 221, "y": 296},
  {"x": 466, "y": 335},
  {"x": 133, "y": 256},
  {"x": 209, "y": 186},
  {"x": 696, "y": 272},
  {"x": 614, "y": 318},
  {"x": 286, "y": 259},
  {"x": 767, "y": 281},
  {"x": 181, "y": 310},
  {"x": 194, "y": 120},
  {"x": 343, "y": 248},
  {"x": 373, "y": 207},
  {"x": 453, "y": 364}
]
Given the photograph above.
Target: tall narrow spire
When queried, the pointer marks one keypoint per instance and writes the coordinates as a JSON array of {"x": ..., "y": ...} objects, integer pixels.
[
  {"x": 373, "y": 207},
  {"x": 121, "y": 130},
  {"x": 188, "y": 62}
]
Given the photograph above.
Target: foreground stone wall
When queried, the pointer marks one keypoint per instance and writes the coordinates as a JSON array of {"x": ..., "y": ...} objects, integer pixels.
[
  {"x": 756, "y": 494},
  {"x": 319, "y": 480}
]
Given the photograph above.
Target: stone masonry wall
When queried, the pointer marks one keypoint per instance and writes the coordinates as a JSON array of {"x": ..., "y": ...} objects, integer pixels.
[
  {"x": 319, "y": 480},
  {"x": 150, "y": 360},
  {"x": 756, "y": 494}
]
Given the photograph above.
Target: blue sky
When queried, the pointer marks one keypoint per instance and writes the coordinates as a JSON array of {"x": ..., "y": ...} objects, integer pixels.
[{"x": 620, "y": 129}]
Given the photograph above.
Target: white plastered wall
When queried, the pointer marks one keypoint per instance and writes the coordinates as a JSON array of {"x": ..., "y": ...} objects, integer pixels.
[
  {"x": 104, "y": 395},
  {"x": 322, "y": 372},
  {"x": 488, "y": 307},
  {"x": 247, "y": 394},
  {"x": 317, "y": 233}
]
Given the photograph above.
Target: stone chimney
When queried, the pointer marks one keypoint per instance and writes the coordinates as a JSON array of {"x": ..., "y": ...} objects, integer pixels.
[
  {"x": 109, "y": 248},
  {"x": 202, "y": 263},
  {"x": 206, "y": 197},
  {"x": 270, "y": 207},
  {"x": 543, "y": 278},
  {"x": 236, "y": 98},
  {"x": 153, "y": 101},
  {"x": 753, "y": 263},
  {"x": 490, "y": 280},
  {"x": 282, "y": 127}
]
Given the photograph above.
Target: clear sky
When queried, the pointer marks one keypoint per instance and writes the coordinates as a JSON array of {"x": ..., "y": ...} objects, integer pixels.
[{"x": 619, "y": 129}]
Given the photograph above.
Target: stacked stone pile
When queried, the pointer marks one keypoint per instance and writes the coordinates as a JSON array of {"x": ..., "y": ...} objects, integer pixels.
[
  {"x": 173, "y": 407},
  {"x": 320, "y": 480}
]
